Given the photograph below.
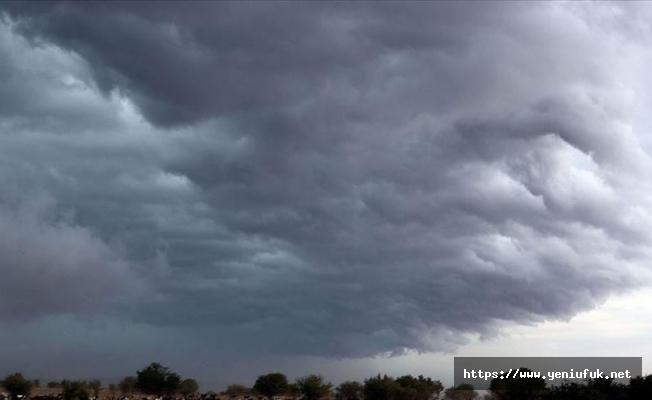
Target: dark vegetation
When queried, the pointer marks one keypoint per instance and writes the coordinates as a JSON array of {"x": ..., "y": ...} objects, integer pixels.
[
  {"x": 591, "y": 389},
  {"x": 158, "y": 381}
]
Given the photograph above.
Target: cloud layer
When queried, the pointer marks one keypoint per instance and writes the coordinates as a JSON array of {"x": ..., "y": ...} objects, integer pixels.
[{"x": 322, "y": 178}]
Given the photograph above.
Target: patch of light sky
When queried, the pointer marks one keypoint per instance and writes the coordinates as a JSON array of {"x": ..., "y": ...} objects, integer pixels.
[{"x": 618, "y": 328}]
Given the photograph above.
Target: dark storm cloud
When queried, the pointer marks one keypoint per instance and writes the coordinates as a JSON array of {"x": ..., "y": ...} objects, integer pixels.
[
  {"x": 55, "y": 268},
  {"x": 340, "y": 179}
]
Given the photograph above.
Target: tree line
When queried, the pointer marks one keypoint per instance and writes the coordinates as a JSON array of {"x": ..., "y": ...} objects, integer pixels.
[
  {"x": 154, "y": 379},
  {"x": 160, "y": 381},
  {"x": 638, "y": 388}
]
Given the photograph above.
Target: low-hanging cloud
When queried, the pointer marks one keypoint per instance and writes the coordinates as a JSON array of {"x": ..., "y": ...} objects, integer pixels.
[
  {"x": 348, "y": 180},
  {"x": 51, "y": 268}
]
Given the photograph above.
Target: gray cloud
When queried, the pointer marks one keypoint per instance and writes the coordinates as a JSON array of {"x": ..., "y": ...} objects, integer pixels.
[
  {"x": 330, "y": 179},
  {"x": 52, "y": 268}
]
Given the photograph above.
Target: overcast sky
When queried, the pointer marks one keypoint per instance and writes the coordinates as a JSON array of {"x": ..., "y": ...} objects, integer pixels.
[{"x": 339, "y": 188}]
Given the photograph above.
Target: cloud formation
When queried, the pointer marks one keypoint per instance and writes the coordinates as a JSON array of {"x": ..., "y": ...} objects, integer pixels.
[{"x": 326, "y": 178}]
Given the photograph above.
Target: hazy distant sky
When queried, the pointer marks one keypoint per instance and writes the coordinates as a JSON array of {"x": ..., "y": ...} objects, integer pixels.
[{"x": 238, "y": 188}]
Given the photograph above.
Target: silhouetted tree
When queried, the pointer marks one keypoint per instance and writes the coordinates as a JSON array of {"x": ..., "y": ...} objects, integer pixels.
[
  {"x": 518, "y": 388},
  {"x": 349, "y": 390},
  {"x": 188, "y": 386},
  {"x": 569, "y": 391},
  {"x": 157, "y": 380},
  {"x": 312, "y": 387},
  {"x": 602, "y": 388},
  {"x": 17, "y": 385},
  {"x": 292, "y": 390},
  {"x": 95, "y": 386},
  {"x": 594, "y": 389},
  {"x": 74, "y": 390},
  {"x": 271, "y": 385},
  {"x": 127, "y": 385},
  {"x": 36, "y": 383},
  {"x": 463, "y": 391},
  {"x": 419, "y": 388},
  {"x": 237, "y": 390},
  {"x": 640, "y": 388},
  {"x": 380, "y": 388}
]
